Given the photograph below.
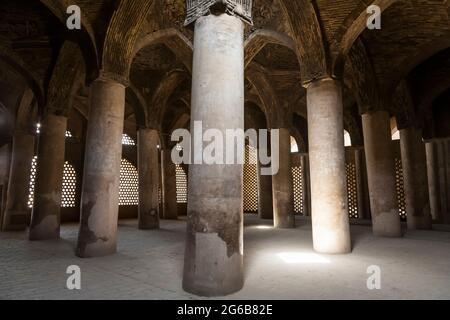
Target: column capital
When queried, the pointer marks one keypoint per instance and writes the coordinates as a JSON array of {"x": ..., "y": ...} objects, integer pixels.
[
  {"x": 106, "y": 76},
  {"x": 238, "y": 8},
  {"x": 307, "y": 84}
]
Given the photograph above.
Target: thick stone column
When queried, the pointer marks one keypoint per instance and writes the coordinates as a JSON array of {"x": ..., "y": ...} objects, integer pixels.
[
  {"x": 214, "y": 247},
  {"x": 361, "y": 184},
  {"x": 443, "y": 184},
  {"x": 329, "y": 203},
  {"x": 282, "y": 185},
  {"x": 148, "y": 163},
  {"x": 46, "y": 214},
  {"x": 306, "y": 189},
  {"x": 169, "y": 172},
  {"x": 415, "y": 179},
  {"x": 100, "y": 193},
  {"x": 380, "y": 164},
  {"x": 433, "y": 180},
  {"x": 265, "y": 203},
  {"x": 16, "y": 215}
]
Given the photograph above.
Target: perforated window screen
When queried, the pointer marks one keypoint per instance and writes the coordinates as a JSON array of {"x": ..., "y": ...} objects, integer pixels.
[
  {"x": 352, "y": 191},
  {"x": 181, "y": 185},
  {"x": 297, "y": 180},
  {"x": 250, "y": 186},
  {"x": 129, "y": 185},
  {"x": 400, "y": 188},
  {"x": 127, "y": 140},
  {"x": 69, "y": 186},
  {"x": 32, "y": 182}
]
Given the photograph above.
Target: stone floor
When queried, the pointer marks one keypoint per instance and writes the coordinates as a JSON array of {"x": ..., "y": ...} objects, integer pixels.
[{"x": 280, "y": 264}]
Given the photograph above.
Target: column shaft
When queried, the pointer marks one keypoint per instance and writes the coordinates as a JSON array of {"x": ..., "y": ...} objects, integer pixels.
[
  {"x": 170, "y": 211},
  {"x": 265, "y": 203},
  {"x": 361, "y": 185},
  {"x": 16, "y": 215},
  {"x": 148, "y": 163},
  {"x": 305, "y": 184},
  {"x": 100, "y": 193},
  {"x": 283, "y": 191},
  {"x": 214, "y": 247},
  {"x": 329, "y": 203},
  {"x": 381, "y": 174},
  {"x": 415, "y": 179},
  {"x": 46, "y": 214},
  {"x": 433, "y": 181}
]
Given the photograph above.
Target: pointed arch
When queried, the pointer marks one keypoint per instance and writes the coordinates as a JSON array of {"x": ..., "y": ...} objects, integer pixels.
[{"x": 121, "y": 37}]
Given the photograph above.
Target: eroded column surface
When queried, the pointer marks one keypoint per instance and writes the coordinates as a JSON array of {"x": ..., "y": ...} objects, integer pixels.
[
  {"x": 170, "y": 211},
  {"x": 380, "y": 164},
  {"x": 415, "y": 179},
  {"x": 46, "y": 214},
  {"x": 16, "y": 215},
  {"x": 214, "y": 247},
  {"x": 361, "y": 184},
  {"x": 283, "y": 191},
  {"x": 265, "y": 204},
  {"x": 329, "y": 204},
  {"x": 148, "y": 163},
  {"x": 100, "y": 193},
  {"x": 433, "y": 181}
]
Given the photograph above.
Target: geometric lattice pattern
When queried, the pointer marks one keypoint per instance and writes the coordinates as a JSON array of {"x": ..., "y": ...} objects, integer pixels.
[
  {"x": 129, "y": 185},
  {"x": 352, "y": 191},
  {"x": 69, "y": 186},
  {"x": 297, "y": 180},
  {"x": 399, "y": 184},
  {"x": 250, "y": 186},
  {"x": 181, "y": 184},
  {"x": 127, "y": 141},
  {"x": 32, "y": 182}
]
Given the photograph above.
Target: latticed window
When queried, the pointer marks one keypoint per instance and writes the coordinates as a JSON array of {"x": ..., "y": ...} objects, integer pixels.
[
  {"x": 400, "y": 188},
  {"x": 129, "y": 185},
  {"x": 250, "y": 186},
  {"x": 69, "y": 186},
  {"x": 127, "y": 140},
  {"x": 298, "y": 184},
  {"x": 32, "y": 182},
  {"x": 352, "y": 191},
  {"x": 182, "y": 184},
  {"x": 69, "y": 134}
]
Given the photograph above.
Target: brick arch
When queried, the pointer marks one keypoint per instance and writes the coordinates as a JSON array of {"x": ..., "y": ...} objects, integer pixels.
[
  {"x": 137, "y": 101},
  {"x": 264, "y": 90},
  {"x": 353, "y": 26},
  {"x": 87, "y": 41},
  {"x": 262, "y": 37},
  {"x": 180, "y": 45},
  {"x": 122, "y": 34},
  {"x": 160, "y": 97},
  {"x": 8, "y": 55},
  {"x": 307, "y": 33},
  {"x": 25, "y": 117},
  {"x": 66, "y": 76}
]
